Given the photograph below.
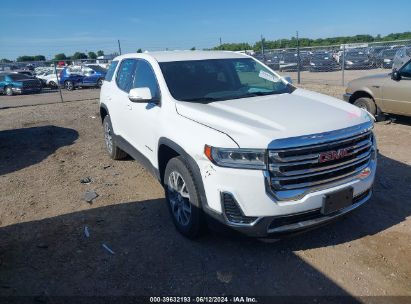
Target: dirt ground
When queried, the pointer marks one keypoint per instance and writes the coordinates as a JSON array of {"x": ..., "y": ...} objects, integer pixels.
[{"x": 45, "y": 152}]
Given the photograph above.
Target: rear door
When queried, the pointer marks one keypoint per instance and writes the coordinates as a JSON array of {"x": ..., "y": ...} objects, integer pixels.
[
  {"x": 397, "y": 94},
  {"x": 119, "y": 102}
]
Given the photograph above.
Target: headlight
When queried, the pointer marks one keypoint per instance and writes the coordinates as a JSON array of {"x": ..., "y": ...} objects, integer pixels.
[
  {"x": 312, "y": 63},
  {"x": 237, "y": 158},
  {"x": 387, "y": 60},
  {"x": 349, "y": 62}
]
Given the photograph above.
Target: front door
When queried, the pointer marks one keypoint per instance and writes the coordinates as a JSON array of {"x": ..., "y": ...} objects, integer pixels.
[
  {"x": 143, "y": 117},
  {"x": 397, "y": 94}
]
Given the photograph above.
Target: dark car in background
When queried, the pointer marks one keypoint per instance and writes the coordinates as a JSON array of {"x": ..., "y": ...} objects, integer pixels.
[
  {"x": 273, "y": 60},
  {"x": 385, "y": 58},
  {"x": 15, "y": 83},
  {"x": 323, "y": 62},
  {"x": 355, "y": 59},
  {"x": 373, "y": 53},
  {"x": 288, "y": 62}
]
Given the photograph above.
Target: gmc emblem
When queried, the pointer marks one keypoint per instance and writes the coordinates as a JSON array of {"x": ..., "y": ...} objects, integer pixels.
[{"x": 333, "y": 155}]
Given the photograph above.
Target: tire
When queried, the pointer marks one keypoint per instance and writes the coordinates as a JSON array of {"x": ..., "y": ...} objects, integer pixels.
[
  {"x": 99, "y": 83},
  {"x": 111, "y": 147},
  {"x": 8, "y": 91},
  {"x": 52, "y": 85},
  {"x": 367, "y": 104},
  {"x": 183, "y": 198},
  {"x": 69, "y": 85}
]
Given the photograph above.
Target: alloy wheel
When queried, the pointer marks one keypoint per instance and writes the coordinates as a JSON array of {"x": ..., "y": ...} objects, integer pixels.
[
  {"x": 179, "y": 198},
  {"x": 108, "y": 138}
]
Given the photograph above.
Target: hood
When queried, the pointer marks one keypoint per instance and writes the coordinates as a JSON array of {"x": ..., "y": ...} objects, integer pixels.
[
  {"x": 255, "y": 122},
  {"x": 369, "y": 79}
]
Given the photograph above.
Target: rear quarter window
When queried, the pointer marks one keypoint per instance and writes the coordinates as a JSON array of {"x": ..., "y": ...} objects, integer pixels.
[{"x": 110, "y": 71}]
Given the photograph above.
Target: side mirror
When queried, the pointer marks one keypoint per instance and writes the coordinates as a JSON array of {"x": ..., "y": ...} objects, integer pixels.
[
  {"x": 395, "y": 75},
  {"x": 288, "y": 79},
  {"x": 142, "y": 95}
]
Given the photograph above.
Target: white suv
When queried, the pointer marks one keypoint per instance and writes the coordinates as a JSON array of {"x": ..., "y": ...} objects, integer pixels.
[{"x": 233, "y": 141}]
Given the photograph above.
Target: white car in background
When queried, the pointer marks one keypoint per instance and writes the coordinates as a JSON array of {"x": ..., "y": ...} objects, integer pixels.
[{"x": 49, "y": 78}]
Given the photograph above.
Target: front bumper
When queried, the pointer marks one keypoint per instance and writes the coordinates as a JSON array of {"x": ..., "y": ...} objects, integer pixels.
[
  {"x": 25, "y": 90},
  {"x": 346, "y": 97}
]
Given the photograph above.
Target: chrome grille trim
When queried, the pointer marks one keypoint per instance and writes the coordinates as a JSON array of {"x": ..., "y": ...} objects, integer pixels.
[{"x": 295, "y": 171}]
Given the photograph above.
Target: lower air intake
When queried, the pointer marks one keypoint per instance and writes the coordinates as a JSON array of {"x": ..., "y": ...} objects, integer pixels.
[{"x": 233, "y": 212}]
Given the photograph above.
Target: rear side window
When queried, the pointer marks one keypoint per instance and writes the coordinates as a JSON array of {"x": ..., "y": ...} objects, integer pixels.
[
  {"x": 111, "y": 70},
  {"x": 125, "y": 74}
]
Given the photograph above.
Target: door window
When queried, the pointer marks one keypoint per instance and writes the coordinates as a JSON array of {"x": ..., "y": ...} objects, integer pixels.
[
  {"x": 125, "y": 74},
  {"x": 406, "y": 70},
  {"x": 145, "y": 78}
]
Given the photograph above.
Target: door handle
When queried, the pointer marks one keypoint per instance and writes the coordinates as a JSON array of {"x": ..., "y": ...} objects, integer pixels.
[{"x": 376, "y": 86}]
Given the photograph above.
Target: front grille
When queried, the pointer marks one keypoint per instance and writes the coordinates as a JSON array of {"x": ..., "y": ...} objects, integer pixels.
[
  {"x": 233, "y": 212},
  {"x": 293, "y": 169}
]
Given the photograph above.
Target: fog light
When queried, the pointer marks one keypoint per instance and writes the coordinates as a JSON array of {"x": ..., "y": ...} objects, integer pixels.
[{"x": 364, "y": 173}]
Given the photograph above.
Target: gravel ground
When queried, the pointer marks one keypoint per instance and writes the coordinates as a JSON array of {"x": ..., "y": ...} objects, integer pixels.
[{"x": 45, "y": 152}]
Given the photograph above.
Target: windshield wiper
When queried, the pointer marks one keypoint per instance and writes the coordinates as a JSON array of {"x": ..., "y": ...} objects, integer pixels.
[{"x": 201, "y": 99}]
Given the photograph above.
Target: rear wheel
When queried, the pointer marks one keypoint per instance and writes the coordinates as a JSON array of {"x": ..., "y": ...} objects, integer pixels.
[
  {"x": 8, "y": 91},
  {"x": 183, "y": 198},
  {"x": 52, "y": 84},
  {"x": 69, "y": 85},
  {"x": 112, "y": 149},
  {"x": 366, "y": 104}
]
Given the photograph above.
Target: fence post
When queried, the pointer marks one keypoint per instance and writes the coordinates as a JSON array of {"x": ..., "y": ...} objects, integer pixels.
[
  {"x": 298, "y": 61},
  {"x": 58, "y": 81},
  {"x": 343, "y": 66}
]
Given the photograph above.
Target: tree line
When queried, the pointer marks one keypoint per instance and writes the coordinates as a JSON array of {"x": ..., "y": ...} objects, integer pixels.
[
  {"x": 57, "y": 57},
  {"x": 307, "y": 42}
]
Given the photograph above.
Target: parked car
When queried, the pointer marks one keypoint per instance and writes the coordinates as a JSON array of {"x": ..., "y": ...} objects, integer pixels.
[
  {"x": 15, "y": 83},
  {"x": 385, "y": 58},
  {"x": 49, "y": 78},
  {"x": 88, "y": 76},
  {"x": 288, "y": 62},
  {"x": 356, "y": 60},
  {"x": 382, "y": 93},
  {"x": 373, "y": 52},
  {"x": 323, "y": 62},
  {"x": 240, "y": 146},
  {"x": 273, "y": 61}
]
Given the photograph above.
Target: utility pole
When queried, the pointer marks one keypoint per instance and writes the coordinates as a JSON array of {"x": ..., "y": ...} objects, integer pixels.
[
  {"x": 262, "y": 45},
  {"x": 220, "y": 42},
  {"x": 299, "y": 60},
  {"x": 119, "y": 47}
]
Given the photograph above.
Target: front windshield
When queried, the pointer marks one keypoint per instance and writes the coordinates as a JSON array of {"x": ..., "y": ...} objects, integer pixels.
[
  {"x": 389, "y": 52},
  {"x": 220, "y": 79},
  {"x": 16, "y": 77},
  {"x": 355, "y": 55},
  {"x": 97, "y": 68}
]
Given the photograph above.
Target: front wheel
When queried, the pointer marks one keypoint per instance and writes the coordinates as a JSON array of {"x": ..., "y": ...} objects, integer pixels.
[
  {"x": 52, "y": 85},
  {"x": 100, "y": 83},
  {"x": 183, "y": 198},
  {"x": 366, "y": 104},
  {"x": 8, "y": 91}
]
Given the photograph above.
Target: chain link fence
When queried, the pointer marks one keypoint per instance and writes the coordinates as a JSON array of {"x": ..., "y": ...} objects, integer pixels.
[
  {"x": 337, "y": 64},
  {"x": 72, "y": 80}
]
